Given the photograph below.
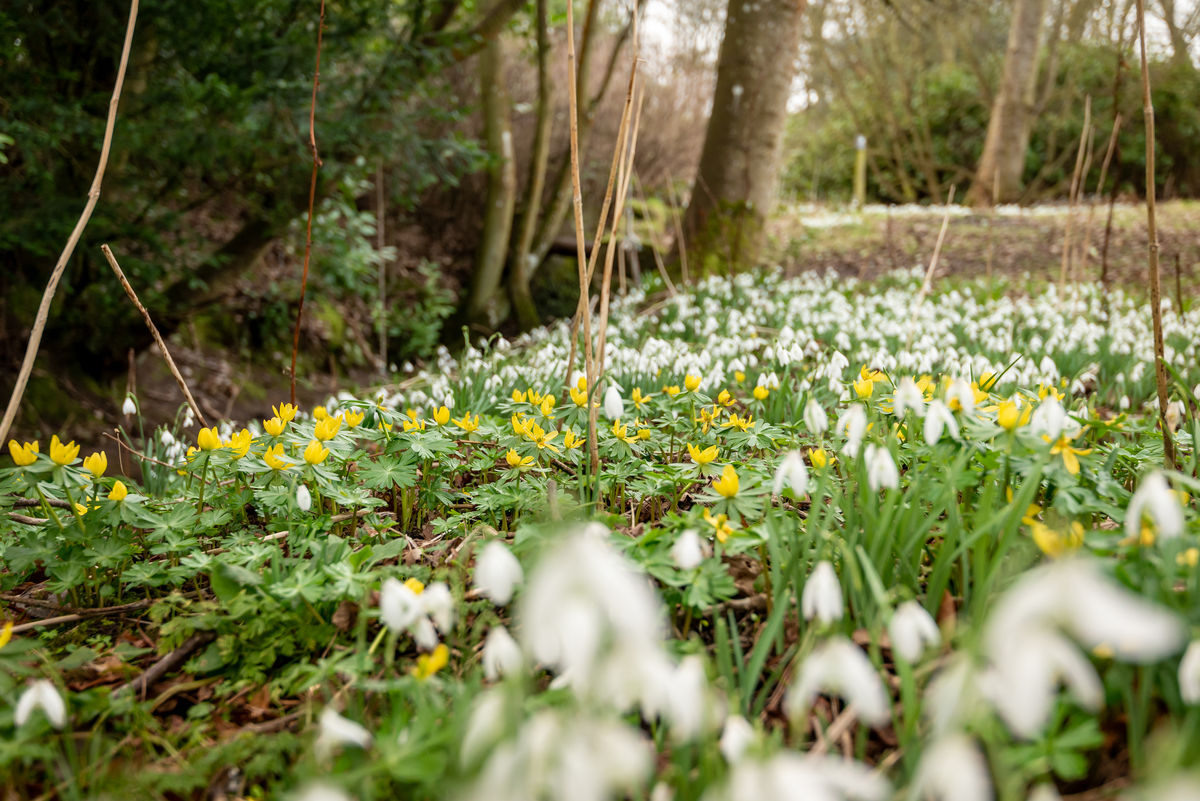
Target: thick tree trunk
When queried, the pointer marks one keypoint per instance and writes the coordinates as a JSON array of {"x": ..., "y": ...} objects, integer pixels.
[
  {"x": 502, "y": 188},
  {"x": 735, "y": 182},
  {"x": 1002, "y": 162}
]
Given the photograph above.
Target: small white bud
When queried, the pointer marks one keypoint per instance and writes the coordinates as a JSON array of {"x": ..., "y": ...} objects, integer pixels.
[{"x": 303, "y": 498}]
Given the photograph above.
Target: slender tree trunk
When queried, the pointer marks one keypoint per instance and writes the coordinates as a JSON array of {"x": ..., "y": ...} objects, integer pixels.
[
  {"x": 501, "y": 191},
  {"x": 520, "y": 269},
  {"x": 1008, "y": 127},
  {"x": 739, "y": 164}
]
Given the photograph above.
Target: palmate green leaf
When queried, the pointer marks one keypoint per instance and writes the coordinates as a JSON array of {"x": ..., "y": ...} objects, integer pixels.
[{"x": 387, "y": 473}]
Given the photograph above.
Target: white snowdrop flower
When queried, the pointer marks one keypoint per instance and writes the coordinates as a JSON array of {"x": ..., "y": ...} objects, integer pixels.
[
  {"x": 687, "y": 552},
  {"x": 839, "y": 667},
  {"x": 962, "y": 391},
  {"x": 501, "y": 654},
  {"x": 399, "y": 606},
  {"x": 487, "y": 723},
  {"x": 815, "y": 418},
  {"x": 129, "y": 407},
  {"x": 1123, "y": 404},
  {"x": 1154, "y": 499},
  {"x": 438, "y": 604},
  {"x": 424, "y": 634},
  {"x": 908, "y": 397},
  {"x": 42, "y": 695},
  {"x": 1049, "y": 418},
  {"x": 953, "y": 695},
  {"x": 1044, "y": 792},
  {"x": 838, "y": 364},
  {"x": 939, "y": 418},
  {"x": 1196, "y": 392},
  {"x": 1189, "y": 674},
  {"x": 736, "y": 736},
  {"x": 791, "y": 473},
  {"x": 953, "y": 769},
  {"x": 1174, "y": 415},
  {"x": 335, "y": 730},
  {"x": 912, "y": 630},
  {"x": 881, "y": 469},
  {"x": 189, "y": 417},
  {"x": 787, "y": 776},
  {"x": 853, "y": 423},
  {"x": 321, "y": 792},
  {"x": 303, "y": 498},
  {"x": 822, "y": 595},
  {"x": 662, "y": 792},
  {"x": 688, "y": 707},
  {"x": 614, "y": 407},
  {"x": 497, "y": 573}
]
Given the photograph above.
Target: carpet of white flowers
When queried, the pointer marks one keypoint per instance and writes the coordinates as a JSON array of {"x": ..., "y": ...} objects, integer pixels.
[{"x": 845, "y": 542}]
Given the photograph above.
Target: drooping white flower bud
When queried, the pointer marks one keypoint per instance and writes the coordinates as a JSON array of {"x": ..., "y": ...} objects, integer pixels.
[
  {"x": 497, "y": 573},
  {"x": 822, "y": 596},
  {"x": 908, "y": 396},
  {"x": 687, "y": 552},
  {"x": 501, "y": 654},
  {"x": 938, "y": 418},
  {"x": 44, "y": 696},
  {"x": 1154, "y": 499},
  {"x": 129, "y": 408},
  {"x": 881, "y": 469},
  {"x": 303, "y": 498},
  {"x": 792, "y": 474},
  {"x": 912, "y": 630},
  {"x": 815, "y": 418},
  {"x": 614, "y": 407}
]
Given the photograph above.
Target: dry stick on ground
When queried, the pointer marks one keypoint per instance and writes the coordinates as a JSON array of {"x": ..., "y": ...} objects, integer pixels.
[
  {"x": 1087, "y": 225},
  {"x": 167, "y": 663},
  {"x": 1160, "y": 366},
  {"x": 581, "y": 254},
  {"x": 84, "y": 614},
  {"x": 43, "y": 312},
  {"x": 312, "y": 194},
  {"x": 162, "y": 345},
  {"x": 927, "y": 284},
  {"x": 1084, "y": 136}
]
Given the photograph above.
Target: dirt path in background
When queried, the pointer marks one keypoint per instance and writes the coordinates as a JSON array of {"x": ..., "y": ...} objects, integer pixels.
[{"x": 877, "y": 242}]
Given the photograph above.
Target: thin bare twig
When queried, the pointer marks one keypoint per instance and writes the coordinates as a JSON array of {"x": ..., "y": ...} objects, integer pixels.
[
  {"x": 84, "y": 614},
  {"x": 162, "y": 345},
  {"x": 1087, "y": 226},
  {"x": 1085, "y": 136},
  {"x": 167, "y": 663},
  {"x": 927, "y": 284},
  {"x": 43, "y": 312},
  {"x": 312, "y": 194}
]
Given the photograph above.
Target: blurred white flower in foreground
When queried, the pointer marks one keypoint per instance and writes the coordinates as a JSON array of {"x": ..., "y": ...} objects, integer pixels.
[
  {"x": 413, "y": 608},
  {"x": 1154, "y": 499},
  {"x": 1189, "y": 674},
  {"x": 321, "y": 792},
  {"x": 1044, "y": 792},
  {"x": 1026, "y": 638},
  {"x": 688, "y": 551},
  {"x": 501, "y": 654},
  {"x": 822, "y": 595},
  {"x": 939, "y": 418},
  {"x": 787, "y": 776},
  {"x": 565, "y": 756},
  {"x": 839, "y": 667},
  {"x": 44, "y": 696},
  {"x": 497, "y": 573},
  {"x": 881, "y": 469},
  {"x": 335, "y": 730},
  {"x": 953, "y": 769},
  {"x": 962, "y": 391},
  {"x": 791, "y": 474},
  {"x": 908, "y": 397},
  {"x": 912, "y": 630},
  {"x": 815, "y": 418},
  {"x": 736, "y": 737},
  {"x": 1048, "y": 418},
  {"x": 853, "y": 423}
]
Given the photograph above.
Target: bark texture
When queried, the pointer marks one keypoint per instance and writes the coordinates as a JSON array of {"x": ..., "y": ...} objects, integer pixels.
[
  {"x": 1002, "y": 162},
  {"x": 739, "y": 165}
]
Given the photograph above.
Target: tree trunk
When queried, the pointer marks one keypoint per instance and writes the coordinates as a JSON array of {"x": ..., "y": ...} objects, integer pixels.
[
  {"x": 1003, "y": 157},
  {"x": 501, "y": 191},
  {"x": 735, "y": 182}
]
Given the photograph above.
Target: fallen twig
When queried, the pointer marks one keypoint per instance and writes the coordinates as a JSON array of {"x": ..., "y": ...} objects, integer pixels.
[
  {"x": 85, "y": 614},
  {"x": 167, "y": 663}
]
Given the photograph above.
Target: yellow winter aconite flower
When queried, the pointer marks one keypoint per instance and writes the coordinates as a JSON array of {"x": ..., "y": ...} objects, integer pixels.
[
  {"x": 315, "y": 453},
  {"x": 720, "y": 524},
  {"x": 1055, "y": 543},
  {"x": 521, "y": 426},
  {"x": 570, "y": 441},
  {"x": 327, "y": 429},
  {"x": 239, "y": 443},
  {"x": 547, "y": 405},
  {"x": 1062, "y": 446},
  {"x": 441, "y": 415},
  {"x": 285, "y": 411},
  {"x": 209, "y": 439},
  {"x": 638, "y": 398},
  {"x": 515, "y": 459},
  {"x": 621, "y": 432},
  {"x": 702, "y": 457},
  {"x": 672, "y": 390},
  {"x": 80, "y": 509},
  {"x": 874, "y": 376},
  {"x": 414, "y": 585},
  {"x": 274, "y": 426},
  {"x": 644, "y": 434},
  {"x": 274, "y": 457},
  {"x": 1045, "y": 390},
  {"x": 543, "y": 440},
  {"x": 707, "y": 418},
  {"x": 819, "y": 458},
  {"x": 467, "y": 424},
  {"x": 579, "y": 396},
  {"x": 518, "y": 396},
  {"x": 96, "y": 464},
  {"x": 724, "y": 398},
  {"x": 1010, "y": 417},
  {"x": 319, "y": 413},
  {"x": 727, "y": 485},
  {"x": 691, "y": 382},
  {"x": 863, "y": 388},
  {"x": 63, "y": 454},
  {"x": 740, "y": 423},
  {"x": 23, "y": 455},
  {"x": 6, "y": 633},
  {"x": 118, "y": 491},
  {"x": 1188, "y": 558},
  {"x": 761, "y": 392},
  {"x": 413, "y": 423},
  {"x": 739, "y": 376},
  {"x": 430, "y": 663},
  {"x": 533, "y": 397},
  {"x": 353, "y": 417}
]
